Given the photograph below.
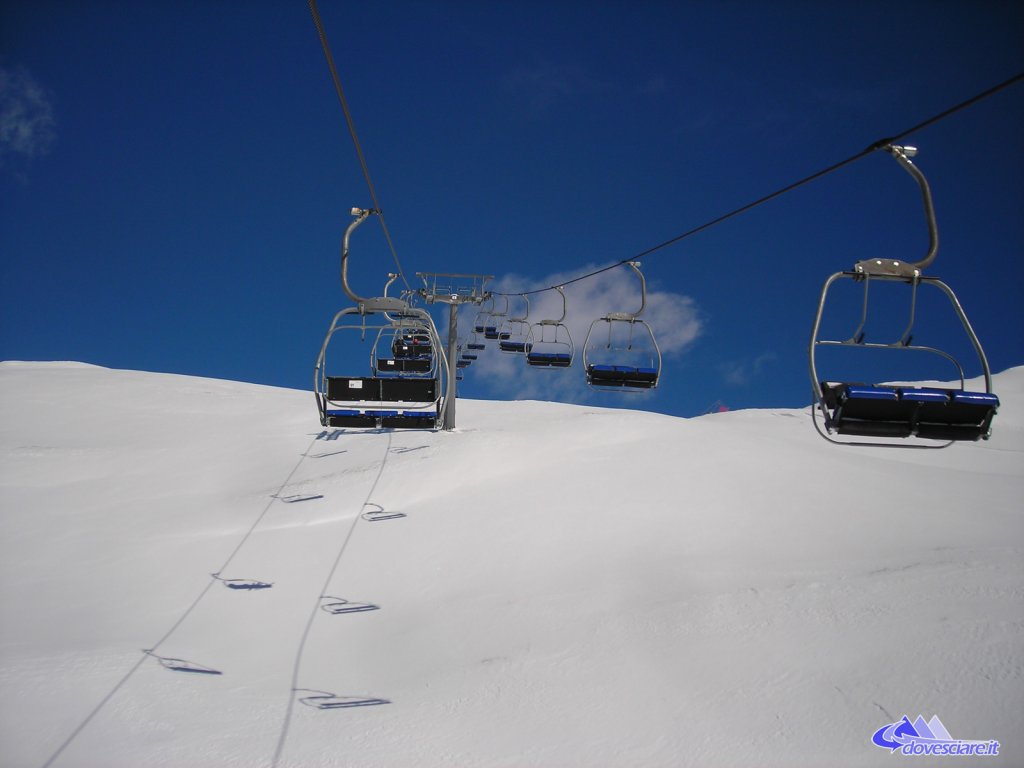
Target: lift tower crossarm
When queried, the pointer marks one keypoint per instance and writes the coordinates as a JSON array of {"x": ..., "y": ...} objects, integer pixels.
[{"x": 453, "y": 290}]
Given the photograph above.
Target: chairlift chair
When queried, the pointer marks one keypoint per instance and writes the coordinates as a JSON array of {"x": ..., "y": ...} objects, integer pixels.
[
  {"x": 624, "y": 354},
  {"x": 493, "y": 322},
  {"x": 549, "y": 344},
  {"x": 474, "y": 344},
  {"x": 404, "y": 349},
  {"x": 513, "y": 335},
  {"x": 413, "y": 398},
  {"x": 889, "y": 415},
  {"x": 482, "y": 319}
]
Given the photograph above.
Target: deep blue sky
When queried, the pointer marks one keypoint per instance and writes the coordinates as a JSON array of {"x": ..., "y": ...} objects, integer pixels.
[{"x": 175, "y": 177}]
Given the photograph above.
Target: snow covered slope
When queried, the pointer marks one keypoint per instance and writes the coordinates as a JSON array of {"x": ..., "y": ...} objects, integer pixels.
[{"x": 569, "y": 586}]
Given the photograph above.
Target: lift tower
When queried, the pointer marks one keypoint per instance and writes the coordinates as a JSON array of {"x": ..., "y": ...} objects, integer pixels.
[{"x": 453, "y": 290}]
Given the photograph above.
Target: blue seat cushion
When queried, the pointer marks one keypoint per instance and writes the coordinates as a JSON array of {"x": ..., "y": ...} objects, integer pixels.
[
  {"x": 549, "y": 358},
  {"x": 976, "y": 398},
  {"x": 626, "y": 370},
  {"x": 924, "y": 395},
  {"x": 863, "y": 392},
  {"x": 625, "y": 376},
  {"x": 929, "y": 412}
]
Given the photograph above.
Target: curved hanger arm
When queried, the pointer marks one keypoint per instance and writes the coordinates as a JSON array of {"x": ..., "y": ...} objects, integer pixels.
[
  {"x": 635, "y": 265},
  {"x": 903, "y": 155},
  {"x": 895, "y": 267},
  {"x": 361, "y": 215},
  {"x": 561, "y": 290},
  {"x": 526, "y": 314},
  {"x": 504, "y": 312}
]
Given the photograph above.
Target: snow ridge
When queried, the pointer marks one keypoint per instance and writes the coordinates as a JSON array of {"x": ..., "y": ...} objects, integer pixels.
[{"x": 567, "y": 585}]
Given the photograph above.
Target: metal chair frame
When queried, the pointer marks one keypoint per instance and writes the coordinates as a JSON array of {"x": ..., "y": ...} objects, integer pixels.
[
  {"x": 910, "y": 274},
  {"x": 361, "y": 401},
  {"x": 611, "y": 375},
  {"x": 548, "y": 343}
]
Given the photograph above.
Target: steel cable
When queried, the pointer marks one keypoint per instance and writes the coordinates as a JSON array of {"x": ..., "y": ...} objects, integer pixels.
[
  {"x": 355, "y": 138},
  {"x": 880, "y": 144}
]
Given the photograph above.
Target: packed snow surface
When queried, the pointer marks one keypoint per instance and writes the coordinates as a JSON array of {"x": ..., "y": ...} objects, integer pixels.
[{"x": 568, "y": 586}]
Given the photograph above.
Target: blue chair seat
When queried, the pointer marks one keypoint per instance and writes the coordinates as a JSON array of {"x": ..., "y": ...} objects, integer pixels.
[
  {"x": 976, "y": 398},
  {"x": 549, "y": 359},
  {"x": 924, "y": 395},
  {"x": 880, "y": 411},
  {"x": 343, "y": 412},
  {"x": 861, "y": 392},
  {"x": 626, "y": 376}
]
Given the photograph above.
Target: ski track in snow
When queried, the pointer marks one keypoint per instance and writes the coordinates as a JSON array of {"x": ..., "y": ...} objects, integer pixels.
[{"x": 570, "y": 586}]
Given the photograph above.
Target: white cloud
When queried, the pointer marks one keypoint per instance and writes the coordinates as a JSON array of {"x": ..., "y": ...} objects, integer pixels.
[
  {"x": 546, "y": 84},
  {"x": 673, "y": 318},
  {"x": 740, "y": 373},
  {"x": 26, "y": 115}
]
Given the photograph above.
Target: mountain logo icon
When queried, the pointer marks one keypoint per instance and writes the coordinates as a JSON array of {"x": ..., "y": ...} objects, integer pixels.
[{"x": 929, "y": 738}]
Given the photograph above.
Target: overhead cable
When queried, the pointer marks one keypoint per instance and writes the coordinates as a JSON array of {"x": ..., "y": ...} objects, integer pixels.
[
  {"x": 880, "y": 144},
  {"x": 355, "y": 138}
]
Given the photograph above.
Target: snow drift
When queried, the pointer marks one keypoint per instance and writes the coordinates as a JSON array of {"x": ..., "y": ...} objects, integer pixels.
[{"x": 568, "y": 585}]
